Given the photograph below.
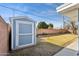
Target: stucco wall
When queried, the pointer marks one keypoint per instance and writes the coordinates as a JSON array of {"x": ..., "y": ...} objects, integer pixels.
[{"x": 3, "y": 38}]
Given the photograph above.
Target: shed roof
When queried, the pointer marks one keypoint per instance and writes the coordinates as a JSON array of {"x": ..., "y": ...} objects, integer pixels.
[{"x": 22, "y": 17}]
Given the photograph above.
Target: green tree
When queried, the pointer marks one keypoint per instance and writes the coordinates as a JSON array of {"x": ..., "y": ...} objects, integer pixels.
[
  {"x": 50, "y": 26},
  {"x": 42, "y": 25}
]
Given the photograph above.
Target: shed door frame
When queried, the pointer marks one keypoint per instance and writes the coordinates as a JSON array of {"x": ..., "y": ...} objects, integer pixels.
[
  {"x": 17, "y": 33},
  {"x": 13, "y": 21}
]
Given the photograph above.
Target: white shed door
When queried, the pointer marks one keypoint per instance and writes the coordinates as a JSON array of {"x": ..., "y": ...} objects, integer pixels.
[{"x": 24, "y": 33}]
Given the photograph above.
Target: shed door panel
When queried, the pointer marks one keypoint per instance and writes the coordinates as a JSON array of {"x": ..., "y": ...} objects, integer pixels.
[
  {"x": 23, "y": 39},
  {"x": 24, "y": 33}
]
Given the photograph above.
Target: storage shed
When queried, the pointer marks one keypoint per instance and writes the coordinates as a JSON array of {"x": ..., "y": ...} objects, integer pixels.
[
  {"x": 23, "y": 32},
  {"x": 4, "y": 41}
]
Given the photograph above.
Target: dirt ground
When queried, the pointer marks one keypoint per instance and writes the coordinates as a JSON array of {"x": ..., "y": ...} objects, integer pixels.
[{"x": 42, "y": 48}]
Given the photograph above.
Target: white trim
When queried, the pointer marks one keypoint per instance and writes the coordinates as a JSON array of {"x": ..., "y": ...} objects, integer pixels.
[
  {"x": 24, "y": 22},
  {"x": 17, "y": 36},
  {"x": 26, "y": 34},
  {"x": 66, "y": 6},
  {"x": 25, "y": 17},
  {"x": 78, "y": 32},
  {"x": 23, "y": 46},
  {"x": 35, "y": 35},
  {"x": 63, "y": 5},
  {"x": 17, "y": 33}
]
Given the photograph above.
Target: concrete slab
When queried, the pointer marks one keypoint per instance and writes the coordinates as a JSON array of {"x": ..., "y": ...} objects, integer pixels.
[{"x": 70, "y": 50}]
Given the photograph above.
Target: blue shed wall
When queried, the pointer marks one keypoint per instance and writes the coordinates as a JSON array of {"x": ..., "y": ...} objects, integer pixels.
[{"x": 14, "y": 32}]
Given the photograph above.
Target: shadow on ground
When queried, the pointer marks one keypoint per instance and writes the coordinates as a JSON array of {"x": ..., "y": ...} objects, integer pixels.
[
  {"x": 67, "y": 52},
  {"x": 40, "y": 49}
]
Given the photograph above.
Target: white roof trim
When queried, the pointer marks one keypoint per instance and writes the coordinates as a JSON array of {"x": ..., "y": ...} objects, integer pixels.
[
  {"x": 18, "y": 17},
  {"x": 65, "y": 6}
]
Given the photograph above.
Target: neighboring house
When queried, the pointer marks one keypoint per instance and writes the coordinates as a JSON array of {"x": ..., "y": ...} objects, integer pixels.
[
  {"x": 4, "y": 37},
  {"x": 70, "y": 10}
]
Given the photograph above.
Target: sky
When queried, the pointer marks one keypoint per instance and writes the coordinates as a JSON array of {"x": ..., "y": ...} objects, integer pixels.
[{"x": 37, "y": 11}]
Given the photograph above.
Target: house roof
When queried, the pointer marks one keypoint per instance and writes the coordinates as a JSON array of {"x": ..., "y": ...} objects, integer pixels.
[{"x": 67, "y": 7}]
